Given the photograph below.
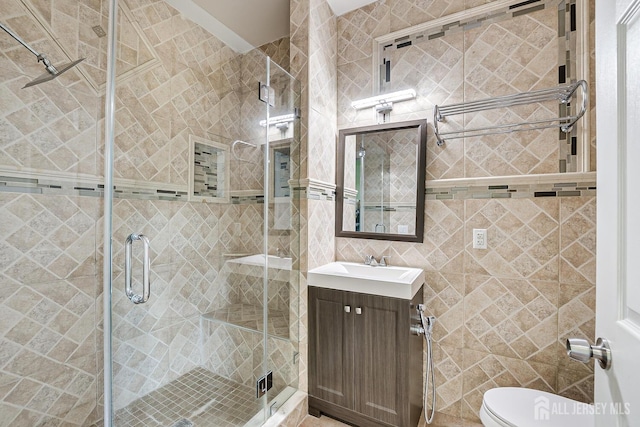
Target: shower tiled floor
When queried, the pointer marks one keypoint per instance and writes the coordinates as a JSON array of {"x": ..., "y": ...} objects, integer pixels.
[{"x": 198, "y": 398}]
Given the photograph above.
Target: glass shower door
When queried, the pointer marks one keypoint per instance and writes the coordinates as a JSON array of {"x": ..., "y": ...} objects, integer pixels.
[
  {"x": 282, "y": 235},
  {"x": 191, "y": 353},
  {"x": 204, "y": 330}
]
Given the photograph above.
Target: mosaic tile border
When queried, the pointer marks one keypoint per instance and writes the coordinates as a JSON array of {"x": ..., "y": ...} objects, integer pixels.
[
  {"x": 567, "y": 72},
  {"x": 513, "y": 191},
  {"x": 349, "y": 201},
  {"x": 475, "y": 21},
  {"x": 314, "y": 190},
  {"x": 567, "y": 56},
  {"x": 244, "y": 200},
  {"x": 48, "y": 186},
  {"x": 306, "y": 193},
  {"x": 469, "y": 23},
  {"x": 60, "y": 187},
  {"x": 67, "y": 188},
  {"x": 388, "y": 208},
  {"x": 63, "y": 187}
]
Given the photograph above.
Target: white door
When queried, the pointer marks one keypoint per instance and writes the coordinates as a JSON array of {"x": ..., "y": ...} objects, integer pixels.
[{"x": 617, "y": 390}]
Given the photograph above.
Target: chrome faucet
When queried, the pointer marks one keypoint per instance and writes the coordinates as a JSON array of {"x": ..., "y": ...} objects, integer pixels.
[{"x": 371, "y": 260}]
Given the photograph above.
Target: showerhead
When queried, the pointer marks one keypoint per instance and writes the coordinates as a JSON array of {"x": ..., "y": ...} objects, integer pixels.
[
  {"x": 52, "y": 72},
  {"x": 361, "y": 151}
]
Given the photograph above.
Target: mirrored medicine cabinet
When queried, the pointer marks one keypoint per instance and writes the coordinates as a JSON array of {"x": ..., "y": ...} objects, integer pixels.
[{"x": 381, "y": 181}]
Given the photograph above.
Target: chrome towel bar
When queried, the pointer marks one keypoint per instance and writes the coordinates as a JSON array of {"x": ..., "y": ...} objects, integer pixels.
[{"x": 562, "y": 94}]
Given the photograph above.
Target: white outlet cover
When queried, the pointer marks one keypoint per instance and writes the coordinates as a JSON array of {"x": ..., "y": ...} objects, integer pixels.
[{"x": 479, "y": 238}]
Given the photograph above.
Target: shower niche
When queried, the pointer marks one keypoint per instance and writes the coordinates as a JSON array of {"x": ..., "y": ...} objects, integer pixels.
[{"x": 208, "y": 170}]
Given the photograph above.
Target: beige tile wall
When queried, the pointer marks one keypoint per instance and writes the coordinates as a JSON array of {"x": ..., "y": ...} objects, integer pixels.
[
  {"x": 516, "y": 55},
  {"x": 331, "y": 58},
  {"x": 279, "y": 51},
  {"x": 313, "y": 38},
  {"x": 503, "y": 313},
  {"x": 237, "y": 353},
  {"x": 49, "y": 290},
  {"x": 50, "y": 246},
  {"x": 51, "y": 127}
]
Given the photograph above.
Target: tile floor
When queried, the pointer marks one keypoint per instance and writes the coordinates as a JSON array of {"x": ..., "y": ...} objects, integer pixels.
[
  {"x": 311, "y": 421},
  {"x": 440, "y": 420},
  {"x": 197, "y": 398},
  {"x": 201, "y": 398}
]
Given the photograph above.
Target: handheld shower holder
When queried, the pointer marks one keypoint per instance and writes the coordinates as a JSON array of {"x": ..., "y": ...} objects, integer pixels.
[
  {"x": 426, "y": 322},
  {"x": 425, "y": 328}
]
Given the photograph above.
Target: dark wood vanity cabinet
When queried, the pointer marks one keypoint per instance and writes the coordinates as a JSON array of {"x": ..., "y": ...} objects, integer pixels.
[{"x": 365, "y": 366}]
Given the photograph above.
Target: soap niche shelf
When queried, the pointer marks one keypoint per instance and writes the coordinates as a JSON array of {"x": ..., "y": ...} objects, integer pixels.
[
  {"x": 208, "y": 170},
  {"x": 563, "y": 94}
]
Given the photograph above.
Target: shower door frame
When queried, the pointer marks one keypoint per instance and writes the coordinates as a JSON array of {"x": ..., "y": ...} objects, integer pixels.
[
  {"x": 108, "y": 286},
  {"x": 109, "y": 127}
]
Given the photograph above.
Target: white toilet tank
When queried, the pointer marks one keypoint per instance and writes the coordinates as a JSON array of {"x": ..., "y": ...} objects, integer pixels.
[{"x": 524, "y": 407}]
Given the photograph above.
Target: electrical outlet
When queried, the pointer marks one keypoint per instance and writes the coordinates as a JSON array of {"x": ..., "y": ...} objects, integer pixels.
[{"x": 479, "y": 238}]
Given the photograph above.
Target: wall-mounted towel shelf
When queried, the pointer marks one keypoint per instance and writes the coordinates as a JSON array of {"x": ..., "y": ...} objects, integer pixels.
[{"x": 563, "y": 94}]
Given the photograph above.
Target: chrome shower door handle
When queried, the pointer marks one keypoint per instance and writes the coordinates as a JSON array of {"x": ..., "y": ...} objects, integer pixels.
[{"x": 146, "y": 264}]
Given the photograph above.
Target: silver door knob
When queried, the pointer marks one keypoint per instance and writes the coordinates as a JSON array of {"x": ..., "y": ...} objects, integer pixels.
[{"x": 580, "y": 350}]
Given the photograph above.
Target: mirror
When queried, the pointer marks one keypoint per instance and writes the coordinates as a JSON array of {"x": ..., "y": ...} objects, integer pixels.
[{"x": 380, "y": 181}]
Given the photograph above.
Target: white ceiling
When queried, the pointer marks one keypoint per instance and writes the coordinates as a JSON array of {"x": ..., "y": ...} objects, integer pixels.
[
  {"x": 256, "y": 21},
  {"x": 244, "y": 24},
  {"x": 340, "y": 7}
]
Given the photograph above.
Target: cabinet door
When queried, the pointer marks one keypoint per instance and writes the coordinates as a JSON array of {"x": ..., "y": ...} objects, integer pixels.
[
  {"x": 330, "y": 347},
  {"x": 381, "y": 355}
]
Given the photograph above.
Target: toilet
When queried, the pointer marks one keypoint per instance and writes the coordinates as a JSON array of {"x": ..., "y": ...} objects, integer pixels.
[{"x": 524, "y": 407}]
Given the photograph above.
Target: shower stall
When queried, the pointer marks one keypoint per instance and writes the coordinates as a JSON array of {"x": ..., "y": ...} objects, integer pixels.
[{"x": 149, "y": 242}]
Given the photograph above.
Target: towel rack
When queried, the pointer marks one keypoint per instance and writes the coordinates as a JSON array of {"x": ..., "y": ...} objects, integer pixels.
[{"x": 562, "y": 94}]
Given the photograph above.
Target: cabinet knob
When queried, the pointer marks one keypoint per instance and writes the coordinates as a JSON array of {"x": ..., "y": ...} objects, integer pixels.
[
  {"x": 358, "y": 310},
  {"x": 347, "y": 309}
]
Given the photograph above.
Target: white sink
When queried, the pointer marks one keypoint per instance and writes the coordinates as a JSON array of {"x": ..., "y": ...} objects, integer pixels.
[{"x": 395, "y": 282}]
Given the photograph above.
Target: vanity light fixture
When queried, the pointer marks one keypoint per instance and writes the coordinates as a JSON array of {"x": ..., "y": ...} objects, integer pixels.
[{"x": 384, "y": 99}]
